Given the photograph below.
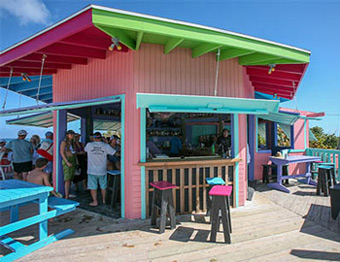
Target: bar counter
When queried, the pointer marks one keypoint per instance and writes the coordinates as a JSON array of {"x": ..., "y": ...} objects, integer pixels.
[{"x": 189, "y": 175}]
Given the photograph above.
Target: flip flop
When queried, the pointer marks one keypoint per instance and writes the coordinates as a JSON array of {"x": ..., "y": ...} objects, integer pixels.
[{"x": 93, "y": 205}]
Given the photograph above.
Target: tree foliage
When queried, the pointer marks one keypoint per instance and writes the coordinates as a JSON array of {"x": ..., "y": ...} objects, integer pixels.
[{"x": 327, "y": 141}]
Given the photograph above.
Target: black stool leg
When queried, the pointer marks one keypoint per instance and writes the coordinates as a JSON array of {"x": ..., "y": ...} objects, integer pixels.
[
  {"x": 215, "y": 220},
  {"x": 171, "y": 209},
  {"x": 153, "y": 208},
  {"x": 225, "y": 222},
  {"x": 164, "y": 207},
  {"x": 229, "y": 217}
]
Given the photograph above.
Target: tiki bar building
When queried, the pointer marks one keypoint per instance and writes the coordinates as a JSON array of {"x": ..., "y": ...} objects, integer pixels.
[{"x": 161, "y": 83}]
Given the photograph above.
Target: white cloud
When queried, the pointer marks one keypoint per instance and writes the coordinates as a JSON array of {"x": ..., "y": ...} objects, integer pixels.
[{"x": 27, "y": 11}]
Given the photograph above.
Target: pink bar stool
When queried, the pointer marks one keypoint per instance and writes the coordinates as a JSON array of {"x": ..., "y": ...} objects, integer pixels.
[
  {"x": 162, "y": 199},
  {"x": 220, "y": 203}
]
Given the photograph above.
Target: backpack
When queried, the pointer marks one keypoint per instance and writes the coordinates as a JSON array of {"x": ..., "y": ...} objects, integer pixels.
[{"x": 46, "y": 150}]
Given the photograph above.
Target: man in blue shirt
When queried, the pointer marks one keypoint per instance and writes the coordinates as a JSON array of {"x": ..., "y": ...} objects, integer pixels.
[{"x": 22, "y": 155}]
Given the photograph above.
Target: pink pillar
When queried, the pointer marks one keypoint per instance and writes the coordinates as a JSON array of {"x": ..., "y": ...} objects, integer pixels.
[{"x": 132, "y": 157}]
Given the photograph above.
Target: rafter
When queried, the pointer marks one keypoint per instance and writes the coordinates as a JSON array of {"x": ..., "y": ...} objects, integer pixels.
[
  {"x": 27, "y": 64},
  {"x": 256, "y": 58},
  {"x": 171, "y": 45},
  {"x": 139, "y": 39},
  {"x": 73, "y": 50},
  {"x": 234, "y": 52},
  {"x": 203, "y": 49},
  {"x": 275, "y": 74},
  {"x": 123, "y": 37},
  {"x": 56, "y": 59},
  {"x": 279, "y": 82}
]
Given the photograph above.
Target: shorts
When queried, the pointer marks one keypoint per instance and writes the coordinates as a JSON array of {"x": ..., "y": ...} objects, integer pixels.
[
  {"x": 22, "y": 167},
  {"x": 69, "y": 171},
  {"x": 92, "y": 181}
]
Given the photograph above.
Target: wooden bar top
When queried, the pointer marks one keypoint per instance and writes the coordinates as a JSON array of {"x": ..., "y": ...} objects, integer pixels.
[{"x": 189, "y": 161}]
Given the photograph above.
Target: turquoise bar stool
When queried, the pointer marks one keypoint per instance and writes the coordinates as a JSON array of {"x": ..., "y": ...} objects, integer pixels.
[
  {"x": 212, "y": 181},
  {"x": 325, "y": 176}
]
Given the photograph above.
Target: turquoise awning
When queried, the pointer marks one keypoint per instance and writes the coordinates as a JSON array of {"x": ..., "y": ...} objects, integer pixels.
[
  {"x": 205, "y": 104},
  {"x": 284, "y": 118}
]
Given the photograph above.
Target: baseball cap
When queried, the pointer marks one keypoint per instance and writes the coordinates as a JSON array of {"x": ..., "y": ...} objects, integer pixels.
[
  {"x": 49, "y": 133},
  {"x": 114, "y": 137},
  {"x": 22, "y": 132},
  {"x": 70, "y": 132},
  {"x": 97, "y": 135}
]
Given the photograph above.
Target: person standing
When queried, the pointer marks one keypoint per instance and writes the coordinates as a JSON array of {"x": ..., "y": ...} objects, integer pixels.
[
  {"x": 46, "y": 151},
  {"x": 68, "y": 153},
  {"x": 97, "y": 152},
  {"x": 224, "y": 142},
  {"x": 81, "y": 157},
  {"x": 22, "y": 155},
  {"x": 35, "y": 141}
]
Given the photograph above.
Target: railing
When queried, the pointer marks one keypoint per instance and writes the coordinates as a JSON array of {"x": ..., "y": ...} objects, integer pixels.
[
  {"x": 327, "y": 155},
  {"x": 191, "y": 194}
]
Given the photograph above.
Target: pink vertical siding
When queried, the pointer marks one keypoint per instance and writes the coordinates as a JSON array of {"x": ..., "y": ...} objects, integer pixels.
[
  {"x": 149, "y": 70},
  {"x": 243, "y": 155},
  {"x": 178, "y": 73}
]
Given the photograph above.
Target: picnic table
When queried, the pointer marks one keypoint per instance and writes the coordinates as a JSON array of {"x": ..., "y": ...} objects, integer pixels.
[
  {"x": 280, "y": 162},
  {"x": 16, "y": 193}
]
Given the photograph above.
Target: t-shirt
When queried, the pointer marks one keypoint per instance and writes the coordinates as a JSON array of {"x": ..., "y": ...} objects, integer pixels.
[
  {"x": 97, "y": 157},
  {"x": 21, "y": 150}
]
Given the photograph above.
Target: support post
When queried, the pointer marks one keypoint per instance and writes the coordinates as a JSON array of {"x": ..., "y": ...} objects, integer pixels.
[
  {"x": 235, "y": 139},
  {"x": 60, "y": 132}
]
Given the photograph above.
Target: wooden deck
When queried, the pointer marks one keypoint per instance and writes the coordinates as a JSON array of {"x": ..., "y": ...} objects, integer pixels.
[{"x": 275, "y": 226}]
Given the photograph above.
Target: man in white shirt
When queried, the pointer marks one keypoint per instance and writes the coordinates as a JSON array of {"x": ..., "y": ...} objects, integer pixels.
[{"x": 97, "y": 152}]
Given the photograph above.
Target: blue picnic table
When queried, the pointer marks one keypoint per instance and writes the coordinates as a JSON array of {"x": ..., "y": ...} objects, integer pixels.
[
  {"x": 280, "y": 162},
  {"x": 16, "y": 193}
]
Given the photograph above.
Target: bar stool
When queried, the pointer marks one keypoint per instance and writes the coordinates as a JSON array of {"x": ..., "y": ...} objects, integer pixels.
[
  {"x": 212, "y": 181},
  {"x": 220, "y": 203},
  {"x": 113, "y": 185},
  {"x": 324, "y": 179},
  {"x": 162, "y": 199}
]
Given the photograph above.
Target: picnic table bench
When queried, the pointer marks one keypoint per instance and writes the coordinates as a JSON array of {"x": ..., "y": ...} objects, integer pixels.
[{"x": 16, "y": 193}]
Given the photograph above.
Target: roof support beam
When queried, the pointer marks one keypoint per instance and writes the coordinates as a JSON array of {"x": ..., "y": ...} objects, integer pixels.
[
  {"x": 29, "y": 71},
  {"x": 279, "y": 94},
  {"x": 82, "y": 39},
  {"x": 203, "y": 49},
  {"x": 234, "y": 52},
  {"x": 47, "y": 65},
  {"x": 73, "y": 50},
  {"x": 139, "y": 39},
  {"x": 172, "y": 44},
  {"x": 256, "y": 58},
  {"x": 56, "y": 59},
  {"x": 123, "y": 37},
  {"x": 24, "y": 86},
  {"x": 43, "y": 91},
  {"x": 279, "y": 82},
  {"x": 276, "y": 90},
  {"x": 274, "y": 74},
  {"x": 273, "y": 86}
]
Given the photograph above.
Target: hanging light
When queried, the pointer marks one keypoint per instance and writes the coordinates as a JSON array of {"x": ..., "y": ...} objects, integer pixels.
[
  {"x": 25, "y": 77},
  {"x": 271, "y": 68},
  {"x": 115, "y": 43}
]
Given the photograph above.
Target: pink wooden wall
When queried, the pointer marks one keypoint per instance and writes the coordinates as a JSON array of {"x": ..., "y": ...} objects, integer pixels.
[{"x": 150, "y": 71}]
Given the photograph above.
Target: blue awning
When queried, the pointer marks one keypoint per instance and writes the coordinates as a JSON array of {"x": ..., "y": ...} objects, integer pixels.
[
  {"x": 205, "y": 104},
  {"x": 30, "y": 89},
  {"x": 60, "y": 105}
]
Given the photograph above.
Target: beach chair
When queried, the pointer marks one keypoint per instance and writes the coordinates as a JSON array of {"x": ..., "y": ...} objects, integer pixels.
[{"x": 4, "y": 165}]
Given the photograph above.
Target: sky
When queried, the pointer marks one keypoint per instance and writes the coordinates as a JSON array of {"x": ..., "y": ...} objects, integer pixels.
[{"x": 312, "y": 25}]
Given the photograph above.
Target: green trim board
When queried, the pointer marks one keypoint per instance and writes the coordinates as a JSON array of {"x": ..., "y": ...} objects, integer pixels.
[
  {"x": 128, "y": 27},
  {"x": 205, "y": 104}
]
